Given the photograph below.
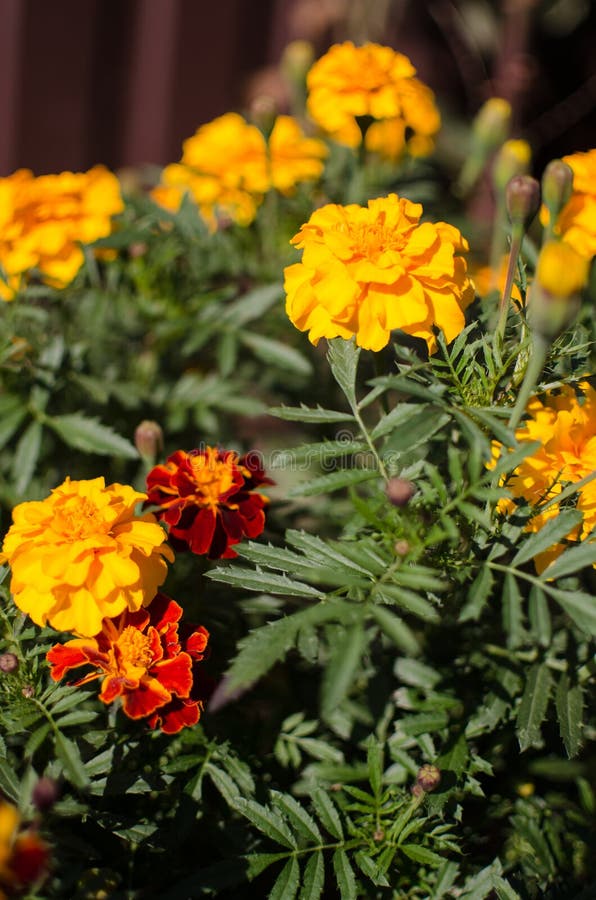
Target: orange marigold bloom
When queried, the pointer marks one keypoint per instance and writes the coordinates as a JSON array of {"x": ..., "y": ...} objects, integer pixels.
[
  {"x": 576, "y": 222},
  {"x": 82, "y": 554},
  {"x": 227, "y": 167},
  {"x": 23, "y": 855},
  {"x": 142, "y": 660},
  {"x": 566, "y": 429},
  {"x": 350, "y": 83},
  {"x": 368, "y": 270},
  {"x": 44, "y": 220},
  {"x": 207, "y": 498}
]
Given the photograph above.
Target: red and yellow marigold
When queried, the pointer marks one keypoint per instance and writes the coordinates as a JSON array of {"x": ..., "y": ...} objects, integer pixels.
[
  {"x": 23, "y": 855},
  {"x": 227, "y": 167},
  {"x": 82, "y": 554},
  {"x": 208, "y": 499},
  {"x": 349, "y": 86},
  {"x": 565, "y": 425},
  {"x": 141, "y": 659},
  {"x": 44, "y": 221},
  {"x": 368, "y": 270}
]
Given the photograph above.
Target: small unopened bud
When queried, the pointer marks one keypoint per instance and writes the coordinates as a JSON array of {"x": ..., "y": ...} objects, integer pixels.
[
  {"x": 512, "y": 159},
  {"x": 297, "y": 59},
  {"x": 28, "y": 691},
  {"x": 44, "y": 794},
  {"x": 557, "y": 187},
  {"x": 492, "y": 122},
  {"x": 522, "y": 197},
  {"x": 555, "y": 297},
  {"x": 399, "y": 491},
  {"x": 428, "y": 778},
  {"x": 149, "y": 440},
  {"x": 8, "y": 663},
  {"x": 417, "y": 791},
  {"x": 402, "y": 548},
  {"x": 378, "y": 835}
]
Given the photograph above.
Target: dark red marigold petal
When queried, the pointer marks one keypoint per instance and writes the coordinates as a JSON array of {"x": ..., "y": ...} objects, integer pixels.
[
  {"x": 144, "y": 700},
  {"x": 196, "y": 643},
  {"x": 29, "y": 858},
  {"x": 200, "y": 536},
  {"x": 163, "y": 611},
  {"x": 174, "y": 674},
  {"x": 176, "y": 715}
]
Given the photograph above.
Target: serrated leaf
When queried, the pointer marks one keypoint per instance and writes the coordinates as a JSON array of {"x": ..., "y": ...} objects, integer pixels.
[
  {"x": 570, "y": 706},
  {"x": 9, "y": 782},
  {"x": 25, "y": 457},
  {"x": 341, "y": 668},
  {"x": 276, "y": 353},
  {"x": 455, "y": 756},
  {"x": 69, "y": 755},
  {"x": 346, "y": 880},
  {"x": 297, "y": 816},
  {"x": 446, "y": 877},
  {"x": 512, "y": 612},
  {"x": 395, "y": 629},
  {"x": 478, "y": 595},
  {"x": 313, "y": 880},
  {"x": 374, "y": 759},
  {"x": 370, "y": 868},
  {"x": 572, "y": 561},
  {"x": 90, "y": 436},
  {"x": 287, "y": 883},
  {"x": 304, "y": 413},
  {"x": 335, "y": 481},
  {"x": 551, "y": 533},
  {"x": 327, "y": 813},
  {"x": 394, "y": 595},
  {"x": 509, "y": 461},
  {"x": 267, "y": 821},
  {"x": 417, "y": 430},
  {"x": 226, "y": 786},
  {"x": 252, "y": 580},
  {"x": 422, "y": 855},
  {"x": 534, "y": 704},
  {"x": 316, "y": 549},
  {"x": 343, "y": 359},
  {"x": 579, "y": 606},
  {"x": 305, "y": 454},
  {"x": 539, "y": 616},
  {"x": 258, "y": 862},
  {"x": 398, "y": 417},
  {"x": 10, "y": 421},
  {"x": 251, "y": 305}
]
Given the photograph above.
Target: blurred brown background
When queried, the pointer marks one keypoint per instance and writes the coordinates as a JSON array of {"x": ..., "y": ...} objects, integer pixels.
[{"x": 123, "y": 82}]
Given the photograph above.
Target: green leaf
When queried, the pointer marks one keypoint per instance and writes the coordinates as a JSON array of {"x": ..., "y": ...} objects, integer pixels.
[
  {"x": 304, "y": 413},
  {"x": 26, "y": 454},
  {"x": 416, "y": 431},
  {"x": 287, "y": 882},
  {"x": 455, "y": 756},
  {"x": 478, "y": 595},
  {"x": 395, "y": 629},
  {"x": 572, "y": 561},
  {"x": 533, "y": 707},
  {"x": 551, "y": 533},
  {"x": 446, "y": 877},
  {"x": 298, "y": 817},
  {"x": 579, "y": 606},
  {"x": 374, "y": 758},
  {"x": 252, "y": 580},
  {"x": 570, "y": 706},
  {"x": 398, "y": 417},
  {"x": 258, "y": 862},
  {"x": 422, "y": 855},
  {"x": 370, "y": 868},
  {"x": 69, "y": 755},
  {"x": 226, "y": 786},
  {"x": 308, "y": 453},
  {"x": 90, "y": 436},
  {"x": 250, "y": 306},
  {"x": 343, "y": 358},
  {"x": 327, "y": 813},
  {"x": 10, "y": 422},
  {"x": 346, "y": 880},
  {"x": 341, "y": 669},
  {"x": 9, "y": 782},
  {"x": 277, "y": 354},
  {"x": 507, "y": 462},
  {"x": 267, "y": 821},
  {"x": 325, "y": 484},
  {"x": 512, "y": 612},
  {"x": 314, "y": 878},
  {"x": 539, "y": 616},
  {"x": 394, "y": 595},
  {"x": 324, "y": 553}
]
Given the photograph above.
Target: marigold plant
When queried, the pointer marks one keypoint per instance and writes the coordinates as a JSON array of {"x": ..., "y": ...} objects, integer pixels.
[
  {"x": 208, "y": 499},
  {"x": 142, "y": 660},
  {"x": 44, "y": 221},
  {"x": 368, "y": 270},
  {"x": 352, "y": 83},
  {"x": 82, "y": 554}
]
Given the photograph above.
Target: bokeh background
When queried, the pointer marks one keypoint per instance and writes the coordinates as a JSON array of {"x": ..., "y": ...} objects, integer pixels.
[{"x": 123, "y": 82}]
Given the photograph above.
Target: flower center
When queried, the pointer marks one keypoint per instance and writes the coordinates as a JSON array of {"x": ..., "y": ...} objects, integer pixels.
[
  {"x": 135, "y": 648},
  {"x": 212, "y": 476},
  {"x": 80, "y": 518},
  {"x": 373, "y": 238}
]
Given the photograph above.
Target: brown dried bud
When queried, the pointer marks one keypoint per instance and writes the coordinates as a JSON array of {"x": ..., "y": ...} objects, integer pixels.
[
  {"x": 44, "y": 794},
  {"x": 28, "y": 691},
  {"x": 378, "y": 835},
  {"x": 149, "y": 440},
  {"x": 417, "y": 791},
  {"x": 8, "y": 663},
  {"x": 522, "y": 196},
  {"x": 399, "y": 491},
  {"x": 402, "y": 548},
  {"x": 428, "y": 778}
]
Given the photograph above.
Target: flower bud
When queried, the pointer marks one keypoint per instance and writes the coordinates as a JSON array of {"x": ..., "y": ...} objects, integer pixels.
[
  {"x": 555, "y": 297},
  {"x": 9, "y": 663},
  {"x": 28, "y": 691},
  {"x": 296, "y": 60},
  {"x": 399, "y": 491},
  {"x": 402, "y": 548},
  {"x": 428, "y": 778},
  {"x": 44, "y": 794},
  {"x": 491, "y": 124},
  {"x": 522, "y": 197},
  {"x": 557, "y": 187},
  {"x": 149, "y": 440},
  {"x": 512, "y": 159}
]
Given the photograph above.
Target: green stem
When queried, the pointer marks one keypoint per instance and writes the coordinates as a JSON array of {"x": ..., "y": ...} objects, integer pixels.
[
  {"x": 368, "y": 439},
  {"x": 535, "y": 365},
  {"x": 499, "y": 241},
  {"x": 516, "y": 240}
]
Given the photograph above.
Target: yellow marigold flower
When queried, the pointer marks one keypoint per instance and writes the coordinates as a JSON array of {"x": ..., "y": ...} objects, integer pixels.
[
  {"x": 577, "y": 220},
  {"x": 561, "y": 270},
  {"x": 351, "y": 82},
  {"x": 44, "y": 220},
  {"x": 368, "y": 270},
  {"x": 227, "y": 167},
  {"x": 566, "y": 430},
  {"x": 82, "y": 554}
]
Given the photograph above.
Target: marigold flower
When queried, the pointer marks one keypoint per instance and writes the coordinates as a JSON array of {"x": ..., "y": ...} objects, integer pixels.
[
  {"x": 207, "y": 498},
  {"x": 23, "y": 855},
  {"x": 576, "y": 222},
  {"x": 44, "y": 220},
  {"x": 368, "y": 270},
  {"x": 350, "y": 83},
  {"x": 566, "y": 429},
  {"x": 143, "y": 661},
  {"x": 82, "y": 554},
  {"x": 227, "y": 167}
]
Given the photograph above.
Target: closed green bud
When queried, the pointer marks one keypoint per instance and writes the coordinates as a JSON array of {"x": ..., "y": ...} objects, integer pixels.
[
  {"x": 491, "y": 125},
  {"x": 512, "y": 159},
  {"x": 522, "y": 197},
  {"x": 557, "y": 186}
]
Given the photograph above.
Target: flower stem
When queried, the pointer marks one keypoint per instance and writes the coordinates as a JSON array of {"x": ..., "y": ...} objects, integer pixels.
[
  {"x": 516, "y": 240},
  {"x": 533, "y": 371}
]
